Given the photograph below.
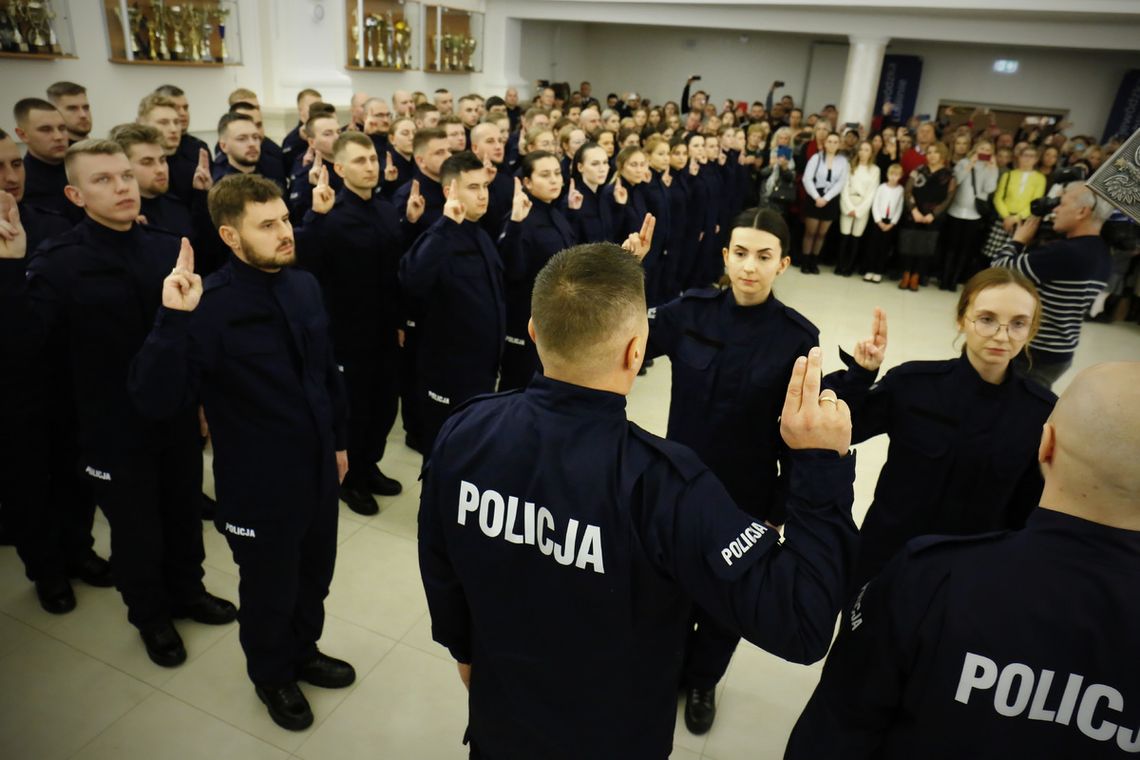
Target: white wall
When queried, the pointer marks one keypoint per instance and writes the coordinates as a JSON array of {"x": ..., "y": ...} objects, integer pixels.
[{"x": 555, "y": 50}]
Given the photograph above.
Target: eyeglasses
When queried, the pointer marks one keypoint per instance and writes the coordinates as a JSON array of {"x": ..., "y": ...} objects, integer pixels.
[{"x": 988, "y": 327}]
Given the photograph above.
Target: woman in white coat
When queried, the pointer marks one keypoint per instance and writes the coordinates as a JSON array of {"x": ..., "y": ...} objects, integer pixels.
[{"x": 855, "y": 206}]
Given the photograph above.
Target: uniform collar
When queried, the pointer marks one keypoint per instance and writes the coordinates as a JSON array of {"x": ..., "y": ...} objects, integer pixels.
[
  {"x": 970, "y": 375},
  {"x": 574, "y": 399},
  {"x": 245, "y": 273},
  {"x": 1092, "y": 534},
  {"x": 756, "y": 311},
  {"x": 105, "y": 235},
  {"x": 350, "y": 198}
]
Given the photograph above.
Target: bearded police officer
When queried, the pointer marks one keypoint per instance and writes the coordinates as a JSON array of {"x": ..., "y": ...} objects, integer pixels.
[
  {"x": 561, "y": 546},
  {"x": 253, "y": 346},
  {"x": 1013, "y": 644}
]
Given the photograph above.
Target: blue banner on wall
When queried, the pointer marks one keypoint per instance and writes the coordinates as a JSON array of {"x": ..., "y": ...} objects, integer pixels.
[
  {"x": 898, "y": 84},
  {"x": 1124, "y": 118}
]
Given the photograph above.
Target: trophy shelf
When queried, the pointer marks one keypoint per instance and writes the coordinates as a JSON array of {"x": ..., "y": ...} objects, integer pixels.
[
  {"x": 382, "y": 35},
  {"x": 452, "y": 40},
  {"x": 37, "y": 56},
  {"x": 36, "y": 30},
  {"x": 186, "y": 33}
]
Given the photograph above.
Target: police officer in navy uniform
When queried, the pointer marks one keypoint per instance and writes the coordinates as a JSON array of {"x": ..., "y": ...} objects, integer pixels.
[
  {"x": 1010, "y": 644},
  {"x": 455, "y": 271},
  {"x": 962, "y": 431},
  {"x": 730, "y": 350},
  {"x": 97, "y": 284},
  {"x": 487, "y": 145},
  {"x": 185, "y": 160},
  {"x": 351, "y": 242},
  {"x": 252, "y": 346},
  {"x": 323, "y": 130},
  {"x": 40, "y": 127},
  {"x": 239, "y": 150},
  {"x": 47, "y": 513},
  {"x": 561, "y": 546}
]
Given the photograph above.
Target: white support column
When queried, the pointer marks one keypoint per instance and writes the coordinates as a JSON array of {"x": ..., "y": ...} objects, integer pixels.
[{"x": 864, "y": 63}]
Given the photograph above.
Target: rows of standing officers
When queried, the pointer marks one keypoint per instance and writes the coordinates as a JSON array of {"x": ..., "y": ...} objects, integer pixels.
[{"x": 158, "y": 297}]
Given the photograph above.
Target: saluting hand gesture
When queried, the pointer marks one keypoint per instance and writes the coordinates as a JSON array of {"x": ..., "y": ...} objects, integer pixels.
[
  {"x": 13, "y": 237},
  {"x": 638, "y": 243},
  {"x": 454, "y": 209},
  {"x": 182, "y": 289},
  {"x": 869, "y": 354},
  {"x": 315, "y": 170},
  {"x": 574, "y": 198},
  {"x": 810, "y": 419},
  {"x": 323, "y": 195},
  {"x": 202, "y": 179},
  {"x": 416, "y": 203},
  {"x": 621, "y": 194},
  {"x": 520, "y": 204},
  {"x": 391, "y": 173}
]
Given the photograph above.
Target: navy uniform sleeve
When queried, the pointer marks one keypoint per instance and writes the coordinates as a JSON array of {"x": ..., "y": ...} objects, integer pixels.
[
  {"x": 510, "y": 245},
  {"x": 420, "y": 266},
  {"x": 665, "y": 329},
  {"x": 851, "y": 384},
  {"x": 783, "y": 597},
  {"x": 871, "y": 411},
  {"x": 871, "y": 664},
  {"x": 308, "y": 237},
  {"x": 447, "y": 601},
  {"x": 166, "y": 374},
  {"x": 338, "y": 396},
  {"x": 32, "y": 295}
]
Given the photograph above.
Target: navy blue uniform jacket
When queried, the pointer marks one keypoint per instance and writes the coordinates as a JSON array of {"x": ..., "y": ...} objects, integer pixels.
[
  {"x": 100, "y": 289},
  {"x": 561, "y": 547},
  {"x": 526, "y": 246},
  {"x": 962, "y": 456},
  {"x": 256, "y": 354},
  {"x": 456, "y": 273},
  {"x": 1006, "y": 645}
]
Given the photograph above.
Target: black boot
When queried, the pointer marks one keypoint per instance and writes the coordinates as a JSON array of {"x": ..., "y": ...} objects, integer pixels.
[
  {"x": 700, "y": 710},
  {"x": 287, "y": 706}
]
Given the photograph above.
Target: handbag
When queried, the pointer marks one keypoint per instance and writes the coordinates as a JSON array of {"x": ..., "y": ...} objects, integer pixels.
[
  {"x": 784, "y": 191},
  {"x": 985, "y": 206},
  {"x": 917, "y": 241}
]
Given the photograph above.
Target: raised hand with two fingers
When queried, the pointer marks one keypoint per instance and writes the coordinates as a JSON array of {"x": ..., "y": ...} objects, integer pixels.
[
  {"x": 182, "y": 289},
  {"x": 416, "y": 203},
  {"x": 13, "y": 237},
  {"x": 811, "y": 419},
  {"x": 202, "y": 179},
  {"x": 520, "y": 204},
  {"x": 454, "y": 209},
  {"x": 324, "y": 197},
  {"x": 869, "y": 353},
  {"x": 574, "y": 197}
]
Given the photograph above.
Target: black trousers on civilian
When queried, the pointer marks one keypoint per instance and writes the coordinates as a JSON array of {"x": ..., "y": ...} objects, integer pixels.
[
  {"x": 50, "y": 518},
  {"x": 708, "y": 651},
  {"x": 961, "y": 243},
  {"x": 286, "y": 568},
  {"x": 372, "y": 384},
  {"x": 153, "y": 502},
  {"x": 879, "y": 247}
]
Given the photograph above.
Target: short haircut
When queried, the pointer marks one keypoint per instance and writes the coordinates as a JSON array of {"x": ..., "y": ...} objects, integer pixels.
[
  {"x": 230, "y": 118},
  {"x": 494, "y": 101},
  {"x": 425, "y": 136},
  {"x": 170, "y": 91},
  {"x": 308, "y": 92},
  {"x": 582, "y": 297},
  {"x": 89, "y": 148},
  {"x": 314, "y": 117},
  {"x": 243, "y": 105},
  {"x": 153, "y": 101},
  {"x": 229, "y": 196},
  {"x": 463, "y": 161},
  {"x": 321, "y": 107},
  {"x": 526, "y": 165},
  {"x": 350, "y": 137},
  {"x": 1101, "y": 209},
  {"x": 442, "y": 91},
  {"x": 25, "y": 106},
  {"x": 240, "y": 94},
  {"x": 131, "y": 134},
  {"x": 450, "y": 119},
  {"x": 64, "y": 89},
  {"x": 528, "y": 117},
  {"x": 423, "y": 108},
  {"x": 469, "y": 97}
]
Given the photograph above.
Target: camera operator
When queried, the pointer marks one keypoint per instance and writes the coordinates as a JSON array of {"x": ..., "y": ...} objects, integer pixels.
[{"x": 1068, "y": 272}]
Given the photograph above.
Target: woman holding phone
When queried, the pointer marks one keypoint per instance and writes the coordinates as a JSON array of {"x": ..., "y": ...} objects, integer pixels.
[{"x": 977, "y": 177}]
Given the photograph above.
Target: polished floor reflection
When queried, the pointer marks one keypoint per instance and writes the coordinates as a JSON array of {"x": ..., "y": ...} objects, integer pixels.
[{"x": 81, "y": 685}]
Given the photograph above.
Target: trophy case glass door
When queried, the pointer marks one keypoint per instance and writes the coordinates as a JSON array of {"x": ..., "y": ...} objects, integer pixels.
[
  {"x": 36, "y": 29},
  {"x": 165, "y": 33},
  {"x": 453, "y": 40},
  {"x": 382, "y": 35}
]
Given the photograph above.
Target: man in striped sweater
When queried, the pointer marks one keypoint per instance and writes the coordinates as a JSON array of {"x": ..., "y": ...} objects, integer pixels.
[{"x": 1069, "y": 273}]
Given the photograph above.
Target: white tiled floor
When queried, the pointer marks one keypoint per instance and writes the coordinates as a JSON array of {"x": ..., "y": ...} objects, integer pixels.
[{"x": 81, "y": 686}]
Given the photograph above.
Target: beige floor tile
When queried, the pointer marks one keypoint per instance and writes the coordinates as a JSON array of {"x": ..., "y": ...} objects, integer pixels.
[
  {"x": 217, "y": 682},
  {"x": 54, "y": 699},
  {"x": 419, "y": 637},
  {"x": 412, "y": 705},
  {"x": 165, "y": 728},
  {"x": 14, "y": 634},
  {"x": 99, "y": 628},
  {"x": 377, "y": 583}
]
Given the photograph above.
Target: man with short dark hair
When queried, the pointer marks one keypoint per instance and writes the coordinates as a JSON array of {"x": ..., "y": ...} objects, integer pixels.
[
  {"x": 272, "y": 163},
  {"x": 97, "y": 284},
  {"x": 184, "y": 160},
  {"x": 322, "y": 131},
  {"x": 469, "y": 111},
  {"x": 561, "y": 547},
  {"x": 239, "y": 150},
  {"x": 71, "y": 101},
  {"x": 41, "y": 128},
  {"x": 351, "y": 241},
  {"x": 252, "y": 346},
  {"x": 444, "y": 101},
  {"x": 294, "y": 144},
  {"x": 457, "y": 136},
  {"x": 427, "y": 116}
]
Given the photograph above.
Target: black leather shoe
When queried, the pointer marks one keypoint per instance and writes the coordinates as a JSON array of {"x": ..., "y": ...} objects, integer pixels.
[
  {"x": 94, "y": 571},
  {"x": 164, "y": 645},
  {"x": 358, "y": 501},
  {"x": 700, "y": 710},
  {"x": 327, "y": 672},
  {"x": 56, "y": 596},
  {"x": 381, "y": 484},
  {"x": 208, "y": 609},
  {"x": 287, "y": 706}
]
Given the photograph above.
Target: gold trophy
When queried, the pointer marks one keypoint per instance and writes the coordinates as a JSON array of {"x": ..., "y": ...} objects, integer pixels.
[
  {"x": 469, "y": 45},
  {"x": 445, "y": 53},
  {"x": 161, "y": 29},
  {"x": 132, "y": 27},
  {"x": 14, "y": 13},
  {"x": 218, "y": 16},
  {"x": 37, "y": 17},
  {"x": 371, "y": 39},
  {"x": 177, "y": 21}
]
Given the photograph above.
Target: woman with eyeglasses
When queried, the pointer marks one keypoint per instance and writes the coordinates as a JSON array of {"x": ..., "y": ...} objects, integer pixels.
[{"x": 963, "y": 432}]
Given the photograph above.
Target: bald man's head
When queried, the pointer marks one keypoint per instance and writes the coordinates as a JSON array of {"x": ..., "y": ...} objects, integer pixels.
[{"x": 1090, "y": 450}]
